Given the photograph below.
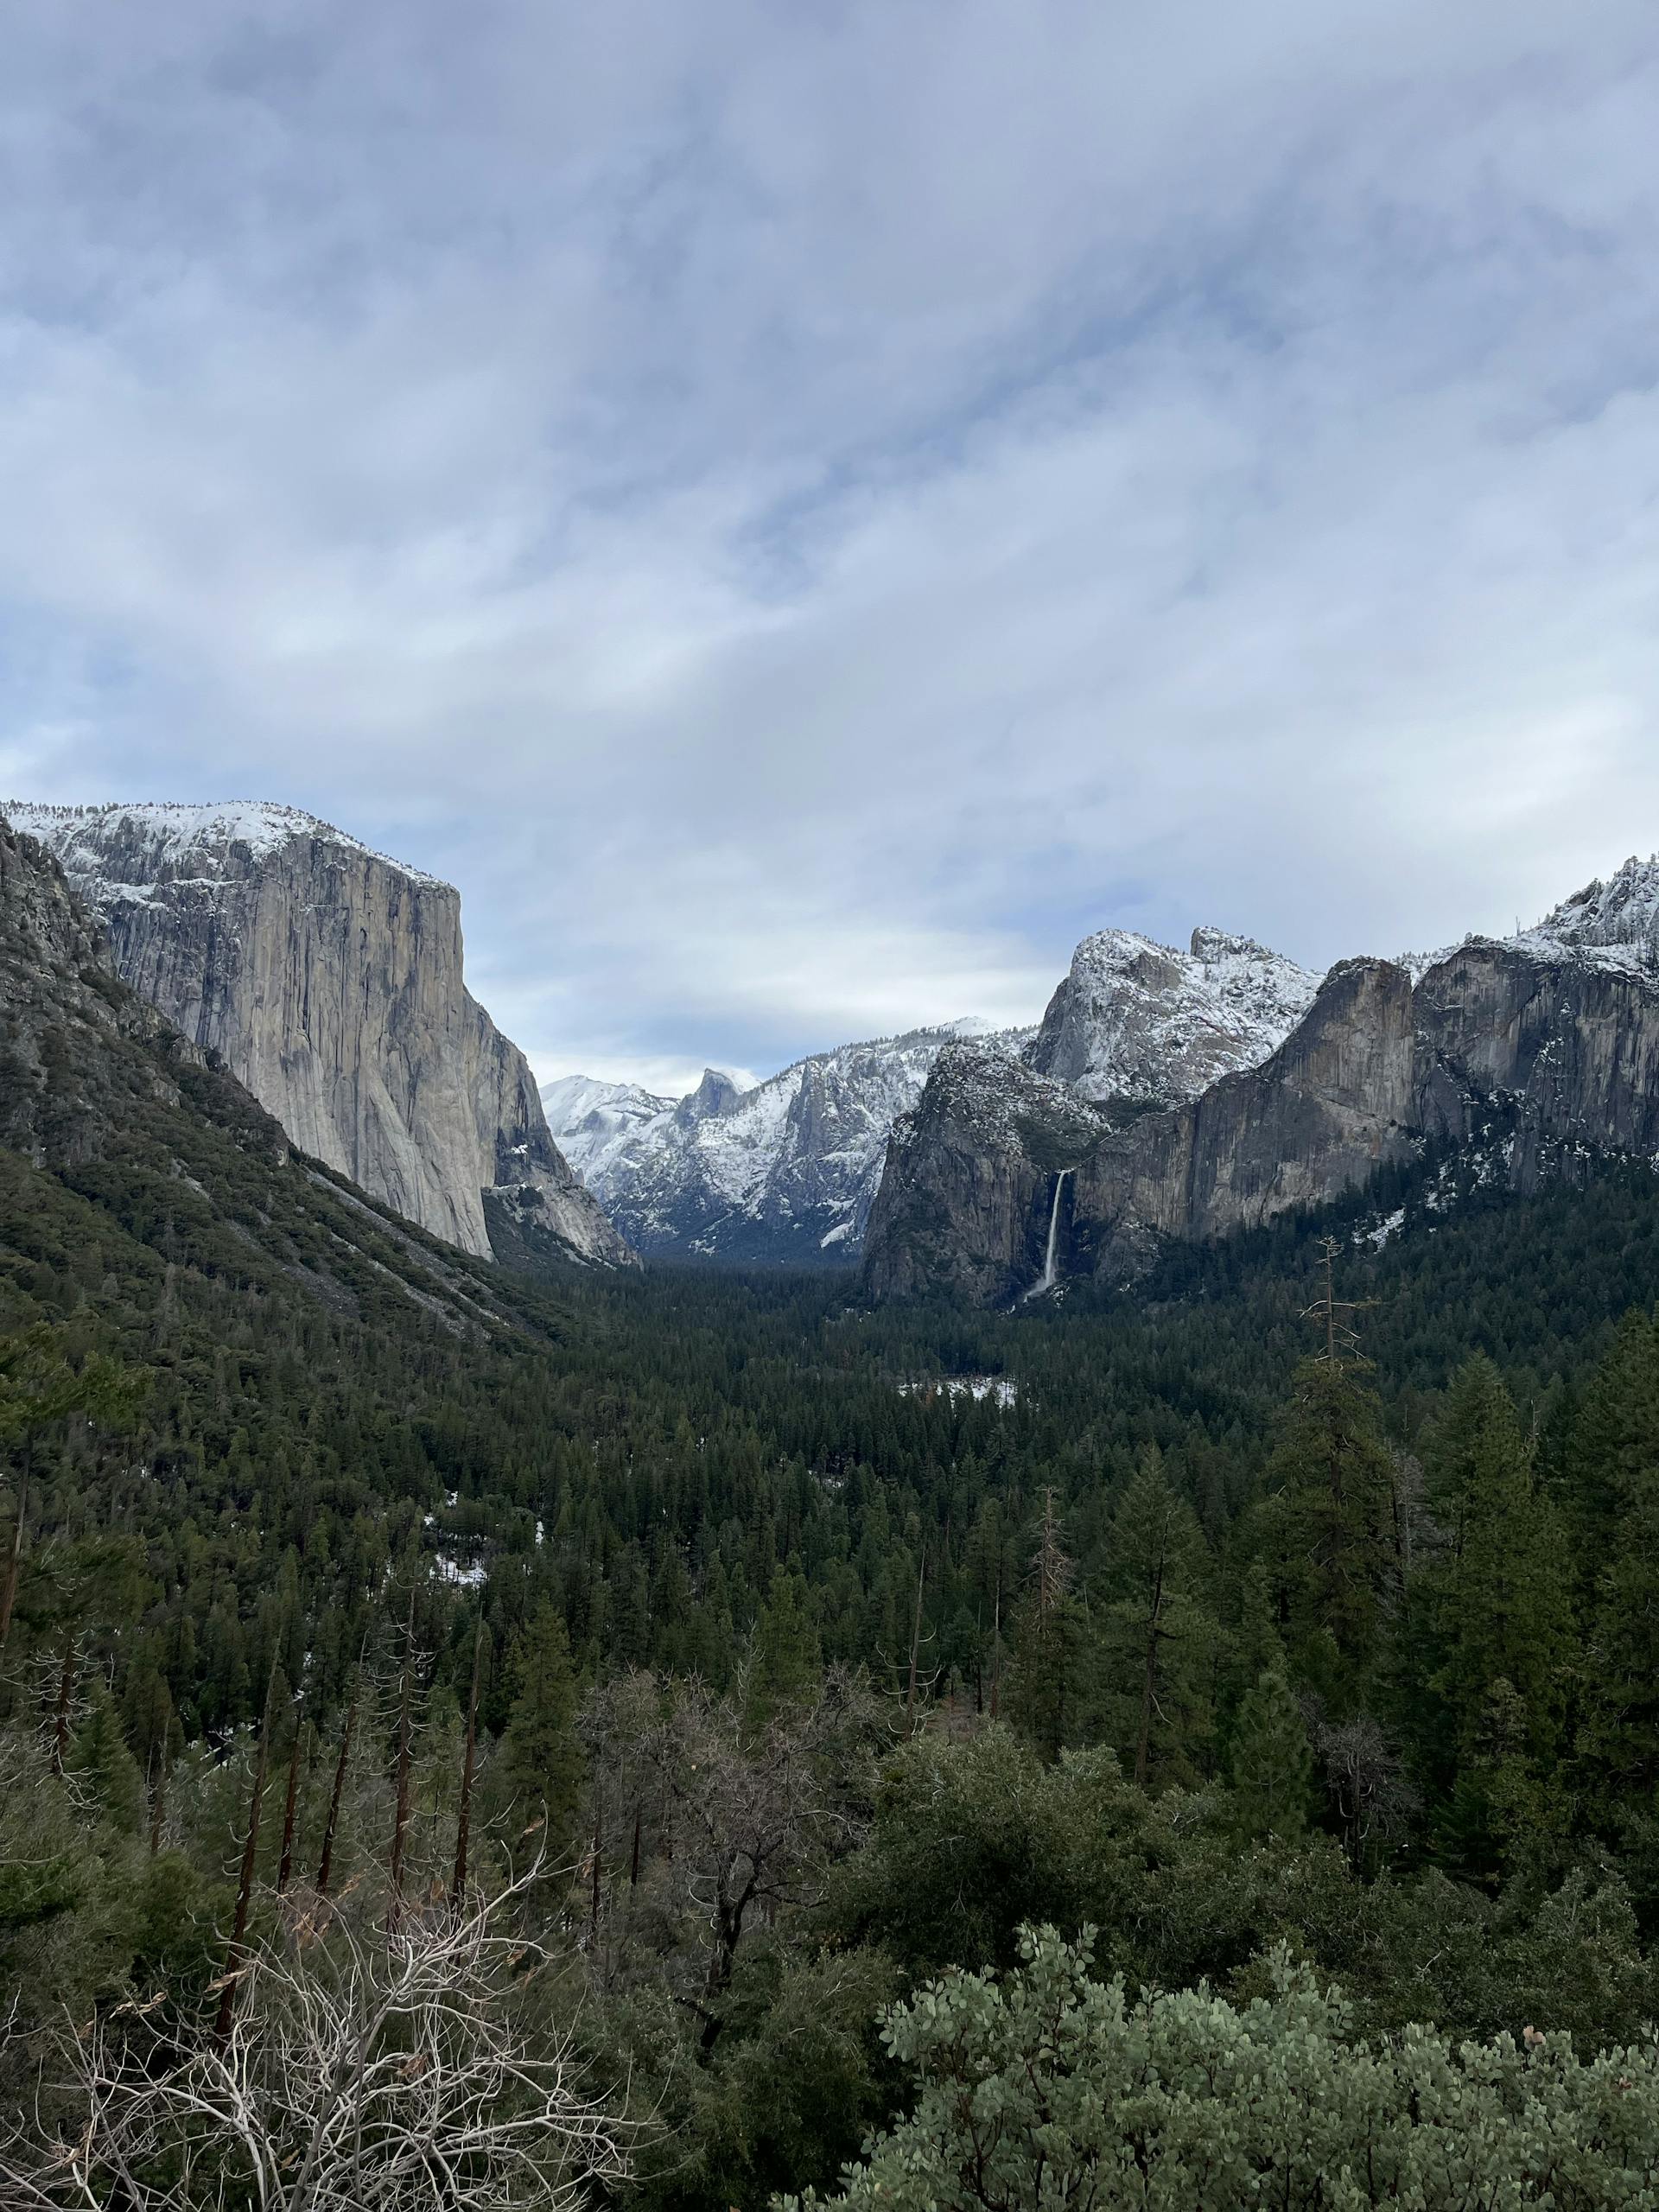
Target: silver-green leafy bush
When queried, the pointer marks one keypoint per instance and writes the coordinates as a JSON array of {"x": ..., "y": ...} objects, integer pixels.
[{"x": 1044, "y": 2090}]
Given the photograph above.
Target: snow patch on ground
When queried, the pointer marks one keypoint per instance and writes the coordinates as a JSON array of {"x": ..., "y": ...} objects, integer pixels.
[{"x": 1001, "y": 1389}]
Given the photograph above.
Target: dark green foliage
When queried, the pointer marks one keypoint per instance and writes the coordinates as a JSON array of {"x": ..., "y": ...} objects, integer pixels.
[
  {"x": 539, "y": 1770},
  {"x": 1328, "y": 1529},
  {"x": 1271, "y": 1762},
  {"x": 1379, "y": 1642},
  {"x": 1045, "y": 2087}
]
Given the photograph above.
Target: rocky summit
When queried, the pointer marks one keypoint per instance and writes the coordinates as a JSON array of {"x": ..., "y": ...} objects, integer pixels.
[
  {"x": 1543, "y": 1048},
  {"x": 327, "y": 979},
  {"x": 1137, "y": 1021}
]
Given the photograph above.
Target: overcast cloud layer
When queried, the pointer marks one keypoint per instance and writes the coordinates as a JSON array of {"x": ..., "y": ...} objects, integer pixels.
[{"x": 802, "y": 510}]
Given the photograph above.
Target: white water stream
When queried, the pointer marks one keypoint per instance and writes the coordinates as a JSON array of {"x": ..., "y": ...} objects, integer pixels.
[{"x": 1045, "y": 1282}]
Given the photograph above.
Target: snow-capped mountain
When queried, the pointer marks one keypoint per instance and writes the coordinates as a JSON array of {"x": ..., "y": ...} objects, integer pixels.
[
  {"x": 784, "y": 1170},
  {"x": 595, "y": 1122},
  {"x": 1540, "y": 1050},
  {"x": 1138, "y": 1021},
  {"x": 1619, "y": 917},
  {"x": 328, "y": 978},
  {"x": 789, "y": 1168}
]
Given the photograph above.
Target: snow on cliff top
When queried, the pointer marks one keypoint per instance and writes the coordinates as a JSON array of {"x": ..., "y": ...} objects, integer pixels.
[
  {"x": 1134, "y": 1017},
  {"x": 176, "y": 840},
  {"x": 1612, "y": 925},
  {"x": 1623, "y": 912}
]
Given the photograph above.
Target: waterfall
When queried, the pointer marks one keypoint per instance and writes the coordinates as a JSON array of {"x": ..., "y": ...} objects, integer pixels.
[{"x": 1039, "y": 1288}]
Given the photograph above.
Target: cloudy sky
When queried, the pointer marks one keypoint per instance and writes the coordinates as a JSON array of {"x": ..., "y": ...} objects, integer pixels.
[{"x": 802, "y": 508}]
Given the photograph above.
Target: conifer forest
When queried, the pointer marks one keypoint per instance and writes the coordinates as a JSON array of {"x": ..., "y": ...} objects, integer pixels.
[{"x": 692, "y": 1739}]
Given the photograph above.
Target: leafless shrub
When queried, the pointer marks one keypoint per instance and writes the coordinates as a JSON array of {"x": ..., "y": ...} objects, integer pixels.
[{"x": 362, "y": 2072}]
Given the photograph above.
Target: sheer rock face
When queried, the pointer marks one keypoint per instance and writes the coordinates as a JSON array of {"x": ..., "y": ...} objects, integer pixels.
[
  {"x": 329, "y": 980},
  {"x": 1552, "y": 1038}
]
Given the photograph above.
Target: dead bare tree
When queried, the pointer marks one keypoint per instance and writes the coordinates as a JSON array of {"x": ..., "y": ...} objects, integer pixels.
[
  {"x": 336, "y": 1795},
  {"x": 758, "y": 1814},
  {"x": 359, "y": 2074},
  {"x": 400, "y": 1820}
]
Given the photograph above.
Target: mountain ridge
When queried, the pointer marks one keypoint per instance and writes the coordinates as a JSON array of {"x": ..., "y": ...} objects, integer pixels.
[
  {"x": 786, "y": 1171},
  {"x": 1552, "y": 1035}
]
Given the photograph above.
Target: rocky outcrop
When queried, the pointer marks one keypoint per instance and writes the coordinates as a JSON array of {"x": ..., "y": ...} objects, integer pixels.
[
  {"x": 1138, "y": 1020},
  {"x": 1552, "y": 1040},
  {"x": 328, "y": 981},
  {"x": 967, "y": 1195},
  {"x": 785, "y": 1171}
]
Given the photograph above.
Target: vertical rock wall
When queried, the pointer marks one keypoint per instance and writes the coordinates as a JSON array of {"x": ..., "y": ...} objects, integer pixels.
[{"x": 329, "y": 979}]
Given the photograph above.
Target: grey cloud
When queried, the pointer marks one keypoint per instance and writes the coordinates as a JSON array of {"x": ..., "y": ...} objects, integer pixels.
[{"x": 802, "y": 512}]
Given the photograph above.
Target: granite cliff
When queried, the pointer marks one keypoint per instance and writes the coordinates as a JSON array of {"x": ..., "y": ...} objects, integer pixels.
[
  {"x": 1544, "y": 1046},
  {"x": 327, "y": 979}
]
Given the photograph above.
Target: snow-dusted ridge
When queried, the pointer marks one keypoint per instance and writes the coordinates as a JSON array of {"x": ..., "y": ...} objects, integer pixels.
[
  {"x": 1612, "y": 925},
  {"x": 788, "y": 1168},
  {"x": 183, "y": 840}
]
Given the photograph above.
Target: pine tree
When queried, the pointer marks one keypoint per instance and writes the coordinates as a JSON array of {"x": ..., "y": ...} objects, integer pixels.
[
  {"x": 1491, "y": 1604},
  {"x": 1051, "y": 1672},
  {"x": 1327, "y": 1528},
  {"x": 1160, "y": 1635},
  {"x": 1615, "y": 1440},
  {"x": 101, "y": 1768},
  {"x": 540, "y": 1762},
  {"x": 787, "y": 1660},
  {"x": 1272, "y": 1761}
]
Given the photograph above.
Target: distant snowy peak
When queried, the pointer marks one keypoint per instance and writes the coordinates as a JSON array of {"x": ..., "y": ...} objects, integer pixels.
[
  {"x": 786, "y": 1168},
  {"x": 719, "y": 1094},
  {"x": 1137, "y": 1019},
  {"x": 1624, "y": 911},
  {"x": 593, "y": 1121},
  {"x": 123, "y": 850}
]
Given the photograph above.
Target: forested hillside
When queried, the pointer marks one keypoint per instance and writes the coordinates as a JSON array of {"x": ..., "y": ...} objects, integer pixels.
[{"x": 753, "y": 1657}]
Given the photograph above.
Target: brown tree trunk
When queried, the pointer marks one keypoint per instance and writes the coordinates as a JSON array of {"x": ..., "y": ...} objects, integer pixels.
[
  {"x": 1150, "y": 1686},
  {"x": 400, "y": 1817},
  {"x": 158, "y": 1801},
  {"x": 325, "y": 1864},
  {"x": 244, "y": 1884},
  {"x": 464, "y": 1817},
  {"x": 290, "y": 1803},
  {"x": 997, "y": 1649},
  {"x": 65, "y": 1698},
  {"x": 915, "y": 1648},
  {"x": 15, "y": 1557},
  {"x": 594, "y": 1897}
]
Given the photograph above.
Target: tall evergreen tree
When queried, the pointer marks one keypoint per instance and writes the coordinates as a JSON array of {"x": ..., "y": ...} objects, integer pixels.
[
  {"x": 1051, "y": 1671},
  {"x": 540, "y": 1764},
  {"x": 1495, "y": 1595},
  {"x": 1272, "y": 1761},
  {"x": 1327, "y": 1528},
  {"x": 1159, "y": 1634}
]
